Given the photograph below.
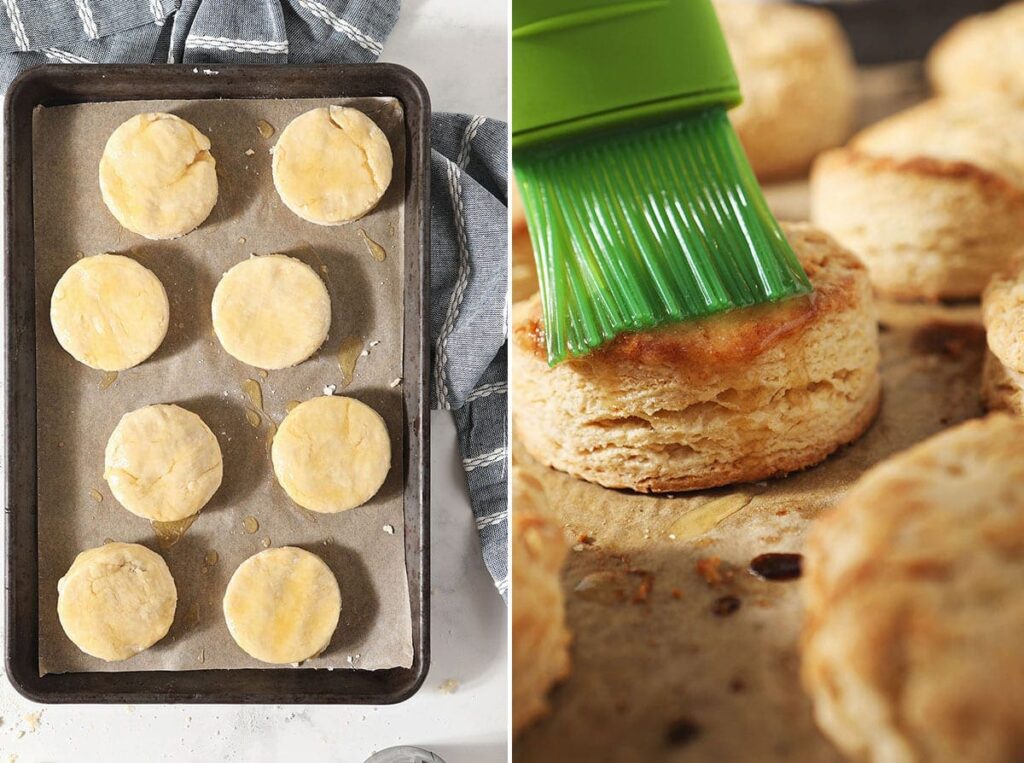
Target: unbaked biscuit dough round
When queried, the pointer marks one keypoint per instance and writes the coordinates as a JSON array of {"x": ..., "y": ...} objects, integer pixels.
[
  {"x": 331, "y": 453},
  {"x": 116, "y": 600},
  {"x": 282, "y": 605},
  {"x": 109, "y": 312},
  {"x": 163, "y": 463},
  {"x": 157, "y": 176},
  {"x": 271, "y": 312},
  {"x": 332, "y": 165}
]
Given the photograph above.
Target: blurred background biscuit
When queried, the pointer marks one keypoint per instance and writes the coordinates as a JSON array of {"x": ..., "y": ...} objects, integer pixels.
[
  {"x": 982, "y": 53},
  {"x": 797, "y": 77},
  {"x": 524, "y": 270}
]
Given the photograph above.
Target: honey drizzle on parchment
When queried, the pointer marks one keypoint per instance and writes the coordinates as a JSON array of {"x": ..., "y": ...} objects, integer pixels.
[
  {"x": 348, "y": 355},
  {"x": 169, "y": 533},
  {"x": 256, "y": 414},
  {"x": 378, "y": 252}
]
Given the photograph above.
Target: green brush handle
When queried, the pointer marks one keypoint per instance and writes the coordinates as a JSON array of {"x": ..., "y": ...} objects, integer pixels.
[{"x": 585, "y": 66}]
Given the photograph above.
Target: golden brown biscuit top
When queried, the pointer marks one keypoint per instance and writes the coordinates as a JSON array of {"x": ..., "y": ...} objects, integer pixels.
[
  {"x": 729, "y": 337},
  {"x": 1002, "y": 312},
  {"x": 982, "y": 131}
]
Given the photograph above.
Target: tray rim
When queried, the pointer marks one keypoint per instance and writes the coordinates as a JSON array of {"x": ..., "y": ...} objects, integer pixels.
[{"x": 56, "y": 84}]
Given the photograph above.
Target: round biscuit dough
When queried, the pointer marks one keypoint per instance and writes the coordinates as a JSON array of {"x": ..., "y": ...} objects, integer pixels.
[
  {"x": 157, "y": 176},
  {"x": 271, "y": 311},
  {"x": 282, "y": 605},
  {"x": 332, "y": 165},
  {"x": 116, "y": 600},
  {"x": 331, "y": 453},
  {"x": 163, "y": 463},
  {"x": 109, "y": 312}
]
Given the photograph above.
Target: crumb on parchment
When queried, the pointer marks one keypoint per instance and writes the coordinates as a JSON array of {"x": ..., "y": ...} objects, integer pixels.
[{"x": 710, "y": 568}]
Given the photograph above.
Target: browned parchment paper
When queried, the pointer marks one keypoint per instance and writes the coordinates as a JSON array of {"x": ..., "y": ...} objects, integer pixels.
[
  {"x": 663, "y": 678},
  {"x": 76, "y": 414}
]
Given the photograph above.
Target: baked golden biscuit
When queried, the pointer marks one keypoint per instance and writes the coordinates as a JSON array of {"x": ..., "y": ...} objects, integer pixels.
[
  {"x": 540, "y": 639},
  {"x": 982, "y": 53},
  {"x": 732, "y": 398},
  {"x": 332, "y": 165},
  {"x": 932, "y": 199},
  {"x": 282, "y": 605},
  {"x": 914, "y": 609},
  {"x": 157, "y": 176},
  {"x": 271, "y": 312},
  {"x": 798, "y": 83},
  {"x": 331, "y": 454},
  {"x": 116, "y": 600},
  {"x": 109, "y": 312},
  {"x": 163, "y": 463},
  {"x": 1002, "y": 312}
]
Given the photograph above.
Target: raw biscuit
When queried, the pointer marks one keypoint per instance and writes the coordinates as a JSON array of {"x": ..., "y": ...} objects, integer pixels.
[
  {"x": 798, "y": 83},
  {"x": 271, "y": 312},
  {"x": 282, "y": 605},
  {"x": 331, "y": 454},
  {"x": 116, "y": 600},
  {"x": 332, "y": 165},
  {"x": 911, "y": 645},
  {"x": 540, "y": 639},
  {"x": 163, "y": 463},
  {"x": 732, "y": 398},
  {"x": 157, "y": 176},
  {"x": 932, "y": 199},
  {"x": 109, "y": 312}
]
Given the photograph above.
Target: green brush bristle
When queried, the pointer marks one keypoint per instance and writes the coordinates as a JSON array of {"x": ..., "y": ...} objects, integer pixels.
[{"x": 647, "y": 227}]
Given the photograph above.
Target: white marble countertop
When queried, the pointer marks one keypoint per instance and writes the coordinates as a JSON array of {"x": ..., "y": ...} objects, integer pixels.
[{"x": 459, "y": 49}]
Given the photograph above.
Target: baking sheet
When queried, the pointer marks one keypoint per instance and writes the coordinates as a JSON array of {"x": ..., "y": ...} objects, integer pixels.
[
  {"x": 658, "y": 676},
  {"x": 79, "y": 407}
]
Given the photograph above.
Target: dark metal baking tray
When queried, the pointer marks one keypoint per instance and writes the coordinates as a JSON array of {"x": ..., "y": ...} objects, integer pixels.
[{"x": 66, "y": 84}]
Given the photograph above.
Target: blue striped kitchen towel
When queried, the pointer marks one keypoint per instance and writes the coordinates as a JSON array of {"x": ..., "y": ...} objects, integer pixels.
[{"x": 469, "y": 177}]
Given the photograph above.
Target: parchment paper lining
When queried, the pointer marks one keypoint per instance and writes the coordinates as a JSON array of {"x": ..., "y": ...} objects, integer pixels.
[{"x": 76, "y": 415}]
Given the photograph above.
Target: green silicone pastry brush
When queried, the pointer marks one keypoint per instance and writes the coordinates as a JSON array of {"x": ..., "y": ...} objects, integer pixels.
[{"x": 642, "y": 207}]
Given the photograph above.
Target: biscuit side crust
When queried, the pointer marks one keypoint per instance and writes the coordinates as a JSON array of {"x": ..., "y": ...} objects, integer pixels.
[
  {"x": 540, "y": 639},
  {"x": 1002, "y": 312},
  {"x": 1001, "y": 388}
]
